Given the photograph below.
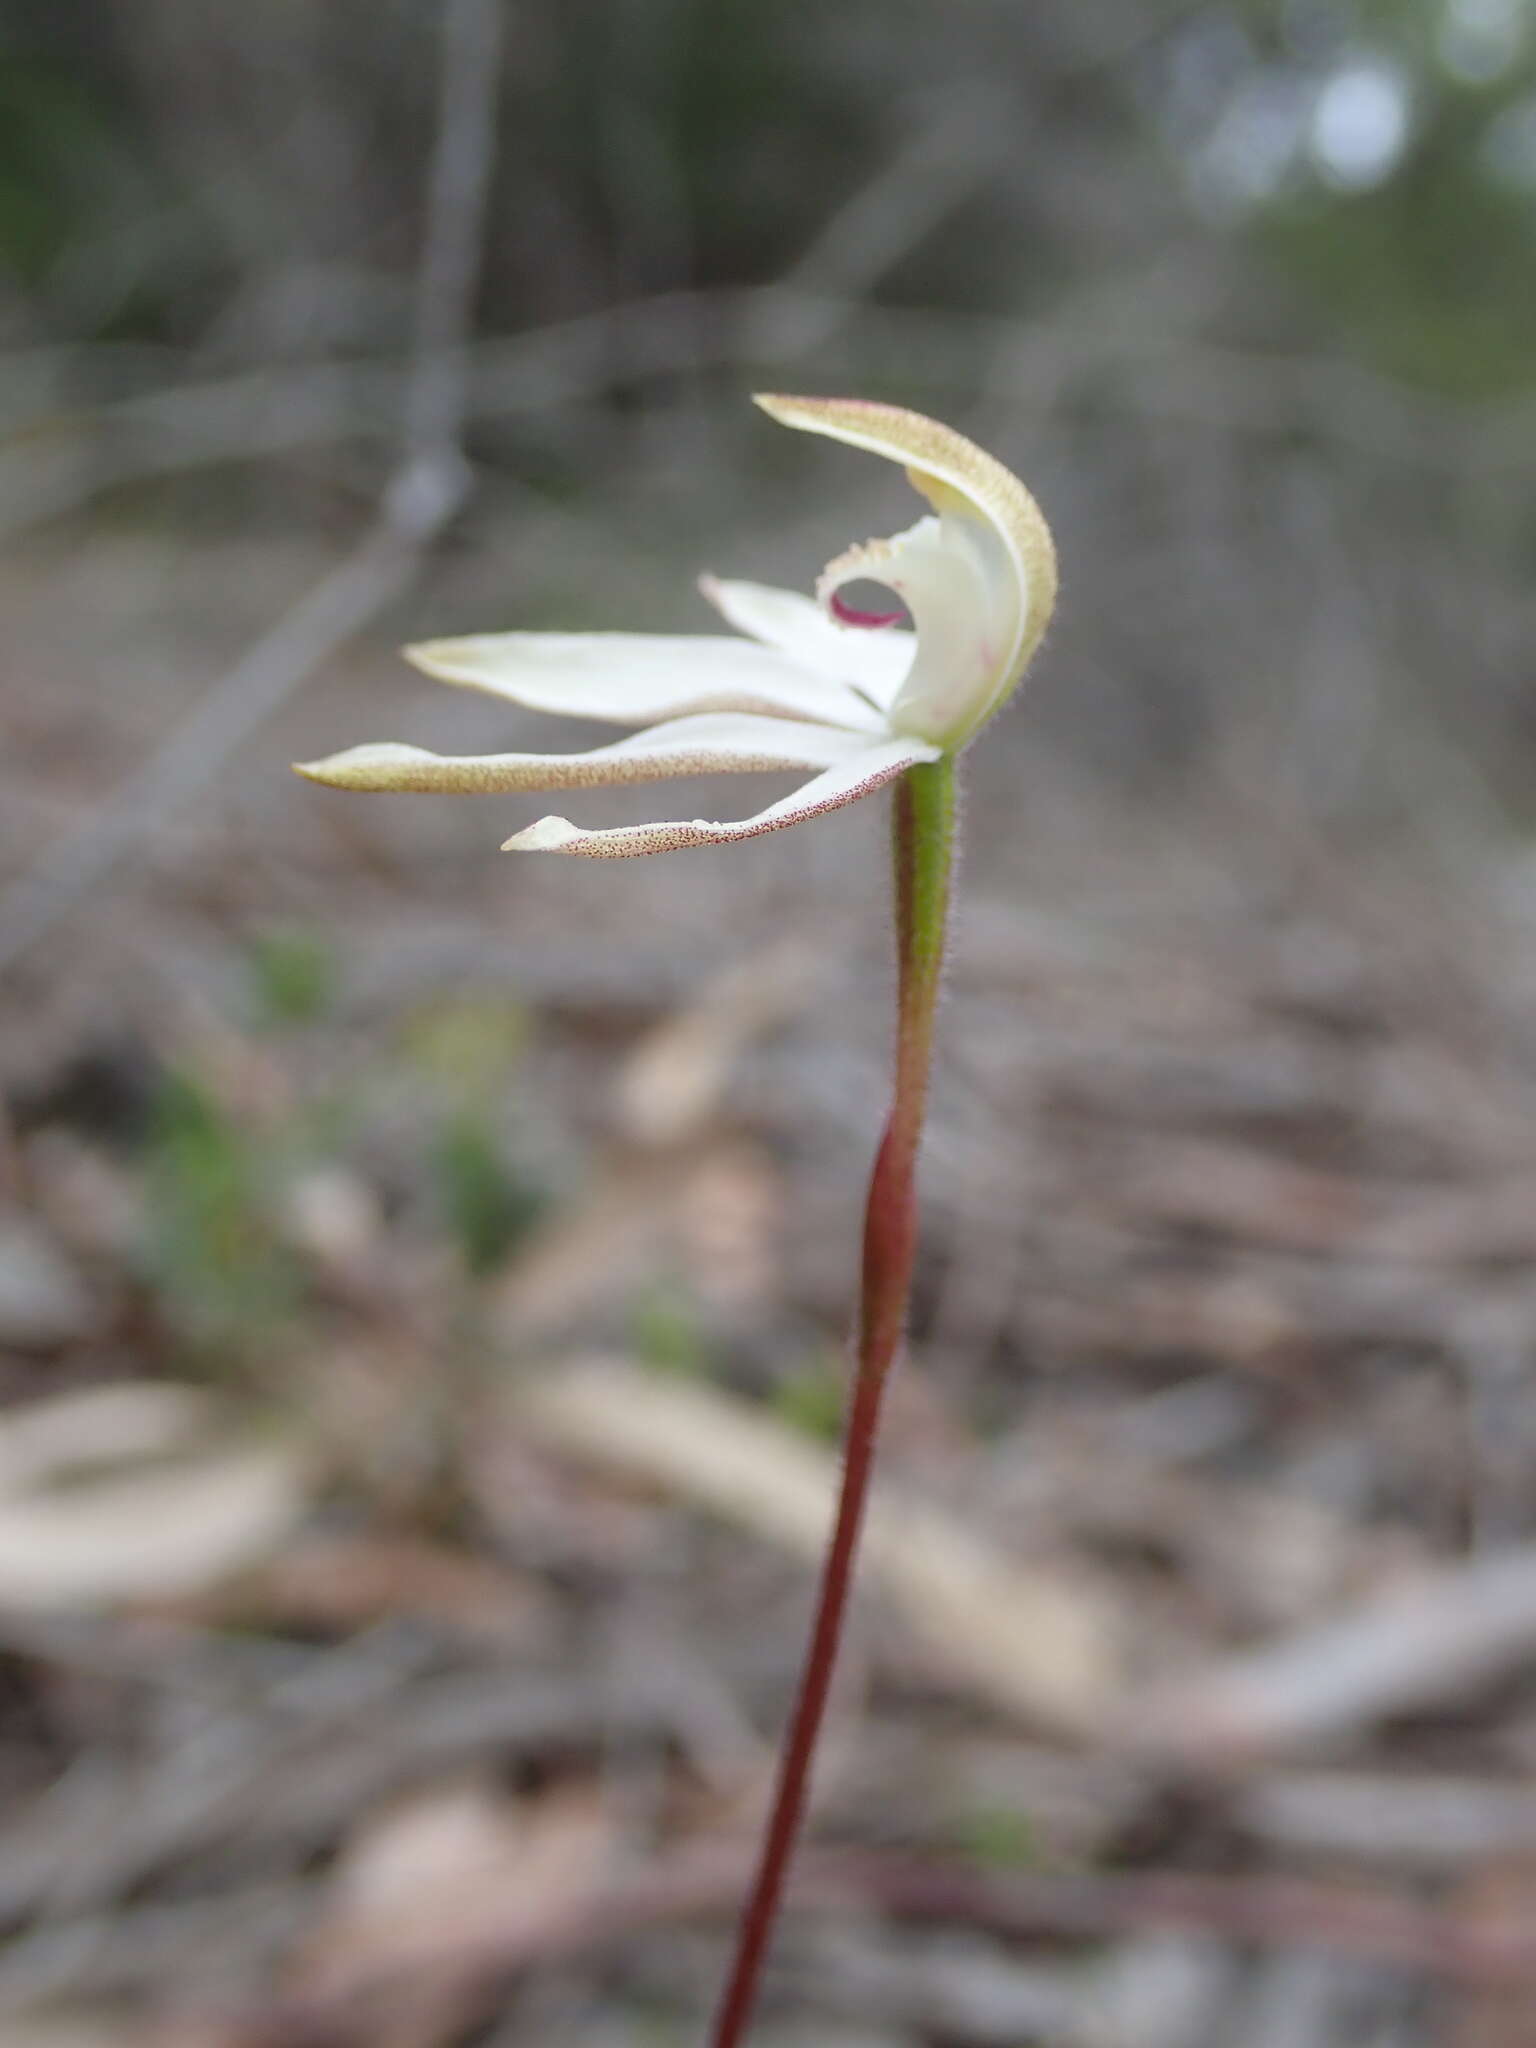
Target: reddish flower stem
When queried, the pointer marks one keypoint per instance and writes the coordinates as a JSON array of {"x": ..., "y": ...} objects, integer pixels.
[{"x": 924, "y": 851}]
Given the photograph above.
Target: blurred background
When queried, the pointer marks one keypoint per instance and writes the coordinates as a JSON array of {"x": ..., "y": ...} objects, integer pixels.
[{"x": 424, "y": 1275}]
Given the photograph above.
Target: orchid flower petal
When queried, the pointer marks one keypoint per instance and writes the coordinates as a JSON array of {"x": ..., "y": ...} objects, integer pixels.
[
  {"x": 875, "y": 663},
  {"x": 719, "y": 743},
  {"x": 637, "y": 678},
  {"x": 869, "y": 769},
  {"x": 989, "y": 541}
]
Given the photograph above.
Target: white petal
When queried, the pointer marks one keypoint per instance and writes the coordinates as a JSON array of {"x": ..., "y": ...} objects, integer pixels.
[
  {"x": 875, "y": 662},
  {"x": 870, "y": 769},
  {"x": 637, "y": 678},
  {"x": 724, "y": 742}
]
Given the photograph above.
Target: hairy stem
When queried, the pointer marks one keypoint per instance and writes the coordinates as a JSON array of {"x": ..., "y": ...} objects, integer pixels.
[{"x": 924, "y": 822}]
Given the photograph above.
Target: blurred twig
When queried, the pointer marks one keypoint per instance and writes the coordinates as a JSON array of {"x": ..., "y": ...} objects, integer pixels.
[
  {"x": 1134, "y": 341},
  {"x": 429, "y": 484},
  {"x": 1383, "y": 1925},
  {"x": 313, "y": 1750},
  {"x": 937, "y": 168}
]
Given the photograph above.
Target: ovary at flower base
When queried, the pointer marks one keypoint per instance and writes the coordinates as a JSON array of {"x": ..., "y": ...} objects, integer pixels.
[{"x": 814, "y": 684}]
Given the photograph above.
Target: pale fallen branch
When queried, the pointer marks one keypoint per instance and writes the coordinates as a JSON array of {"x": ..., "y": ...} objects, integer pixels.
[
  {"x": 1399, "y": 1819},
  {"x": 1418, "y": 1647},
  {"x": 234, "y": 707},
  {"x": 1030, "y": 1640}
]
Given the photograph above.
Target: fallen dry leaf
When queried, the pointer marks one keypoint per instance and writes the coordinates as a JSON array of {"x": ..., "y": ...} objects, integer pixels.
[
  {"x": 672, "y": 1190},
  {"x": 138, "y": 1492},
  {"x": 676, "y": 1077},
  {"x": 448, "y": 1869},
  {"x": 350, "y": 1582},
  {"x": 597, "y": 1252},
  {"x": 1030, "y": 1640},
  {"x": 709, "y": 1209}
]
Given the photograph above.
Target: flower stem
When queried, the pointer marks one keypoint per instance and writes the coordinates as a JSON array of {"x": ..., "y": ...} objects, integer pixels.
[{"x": 924, "y": 835}]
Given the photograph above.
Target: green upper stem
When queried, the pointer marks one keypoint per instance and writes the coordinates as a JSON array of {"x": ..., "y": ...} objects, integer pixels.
[{"x": 924, "y": 864}]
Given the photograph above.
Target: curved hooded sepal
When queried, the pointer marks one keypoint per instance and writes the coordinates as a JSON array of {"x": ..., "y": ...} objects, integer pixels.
[{"x": 1001, "y": 562}]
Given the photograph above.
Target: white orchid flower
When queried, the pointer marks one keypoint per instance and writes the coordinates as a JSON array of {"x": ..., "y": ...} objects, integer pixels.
[{"x": 854, "y": 696}]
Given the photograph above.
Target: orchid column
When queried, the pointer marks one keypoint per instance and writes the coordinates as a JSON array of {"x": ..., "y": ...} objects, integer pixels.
[{"x": 863, "y": 701}]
